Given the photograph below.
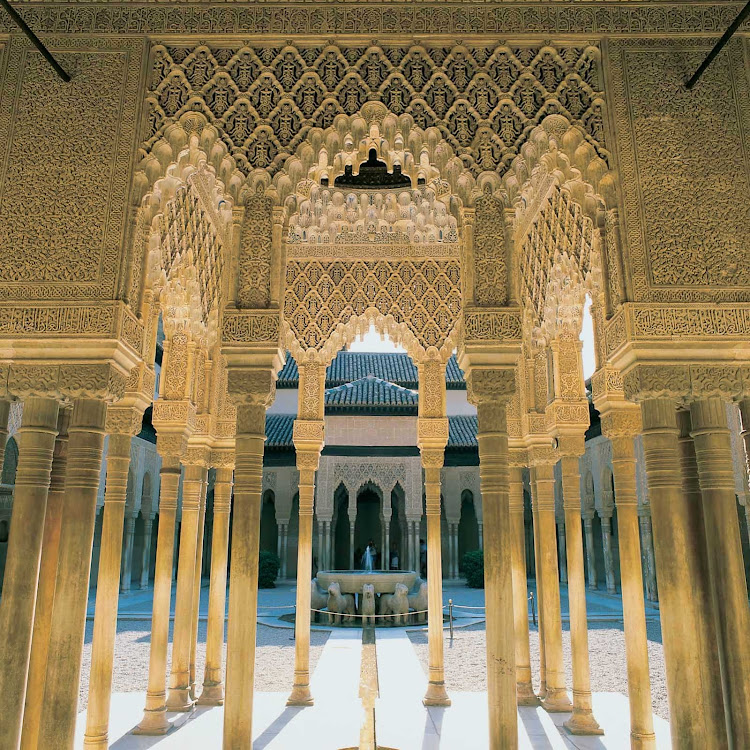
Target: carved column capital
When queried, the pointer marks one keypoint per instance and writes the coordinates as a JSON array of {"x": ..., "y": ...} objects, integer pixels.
[
  {"x": 124, "y": 420},
  {"x": 254, "y": 386},
  {"x": 432, "y": 435},
  {"x": 197, "y": 455},
  {"x": 625, "y": 422},
  {"x": 222, "y": 458},
  {"x": 485, "y": 385},
  {"x": 684, "y": 383}
]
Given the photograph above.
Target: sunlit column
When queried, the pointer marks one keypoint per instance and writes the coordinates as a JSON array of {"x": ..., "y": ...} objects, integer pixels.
[
  {"x": 148, "y": 525},
  {"x": 197, "y": 581}
]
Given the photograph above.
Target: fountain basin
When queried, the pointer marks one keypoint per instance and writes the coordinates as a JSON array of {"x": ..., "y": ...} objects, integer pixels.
[{"x": 352, "y": 581}]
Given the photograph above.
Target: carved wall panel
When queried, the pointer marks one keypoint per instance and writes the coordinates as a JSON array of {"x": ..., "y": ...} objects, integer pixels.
[
  {"x": 254, "y": 289},
  {"x": 425, "y": 294},
  {"x": 685, "y": 169},
  {"x": 490, "y": 271},
  {"x": 483, "y": 99},
  {"x": 65, "y": 175}
]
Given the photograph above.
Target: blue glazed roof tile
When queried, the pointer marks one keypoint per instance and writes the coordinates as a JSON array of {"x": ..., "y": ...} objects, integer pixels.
[{"x": 371, "y": 394}]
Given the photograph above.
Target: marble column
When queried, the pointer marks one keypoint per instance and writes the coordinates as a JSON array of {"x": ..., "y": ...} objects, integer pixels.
[
  {"x": 148, "y": 525},
  {"x": 436, "y": 694},
  {"x": 85, "y": 449},
  {"x": 609, "y": 562},
  {"x": 647, "y": 545},
  {"x": 713, "y": 452},
  {"x": 36, "y": 443},
  {"x": 213, "y": 685},
  {"x": 46, "y": 590},
  {"x": 154, "y": 719},
  {"x": 481, "y": 535},
  {"x": 556, "y": 698},
  {"x": 634, "y": 613},
  {"x": 588, "y": 527},
  {"x": 126, "y": 574},
  {"x": 105, "y": 614},
  {"x": 352, "y": 562},
  {"x": 178, "y": 698},
  {"x": 539, "y": 585},
  {"x": 582, "y": 721},
  {"x": 386, "y": 553},
  {"x": 695, "y": 702},
  {"x": 524, "y": 689},
  {"x": 562, "y": 557},
  {"x": 492, "y": 439},
  {"x": 198, "y": 581},
  {"x": 243, "y": 585},
  {"x": 283, "y": 548}
]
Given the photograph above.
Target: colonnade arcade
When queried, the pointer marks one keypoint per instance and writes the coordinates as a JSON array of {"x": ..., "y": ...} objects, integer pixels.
[{"x": 240, "y": 239}]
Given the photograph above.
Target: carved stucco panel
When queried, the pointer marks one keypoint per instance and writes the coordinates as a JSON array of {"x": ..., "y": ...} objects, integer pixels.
[{"x": 686, "y": 232}]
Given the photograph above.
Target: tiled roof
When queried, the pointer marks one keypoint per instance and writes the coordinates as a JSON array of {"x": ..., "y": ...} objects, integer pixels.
[
  {"x": 462, "y": 432},
  {"x": 371, "y": 394},
  {"x": 279, "y": 430},
  {"x": 350, "y": 366}
]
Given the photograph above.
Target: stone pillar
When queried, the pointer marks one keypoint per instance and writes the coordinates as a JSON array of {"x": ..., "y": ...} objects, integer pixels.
[
  {"x": 620, "y": 427},
  {"x": 539, "y": 586},
  {"x": 481, "y": 534},
  {"x": 386, "y": 554},
  {"x": 352, "y": 562},
  {"x": 647, "y": 545},
  {"x": 524, "y": 689},
  {"x": 254, "y": 391},
  {"x": 198, "y": 580},
  {"x": 582, "y": 721},
  {"x": 284, "y": 547},
  {"x": 126, "y": 575},
  {"x": 154, "y": 719},
  {"x": 46, "y": 591},
  {"x": 308, "y": 443},
  {"x": 36, "y": 443},
  {"x": 562, "y": 557},
  {"x": 588, "y": 527},
  {"x": 121, "y": 425},
  {"x": 148, "y": 525},
  {"x": 695, "y": 702},
  {"x": 556, "y": 698},
  {"x": 213, "y": 685},
  {"x": 85, "y": 449},
  {"x": 609, "y": 562},
  {"x": 489, "y": 390},
  {"x": 713, "y": 452},
  {"x": 178, "y": 698}
]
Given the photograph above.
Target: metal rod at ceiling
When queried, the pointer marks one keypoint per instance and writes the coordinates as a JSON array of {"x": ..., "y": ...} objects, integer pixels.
[
  {"x": 36, "y": 41},
  {"x": 743, "y": 14}
]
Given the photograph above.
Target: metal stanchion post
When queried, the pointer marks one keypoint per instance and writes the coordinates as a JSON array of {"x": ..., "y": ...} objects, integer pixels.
[{"x": 450, "y": 616}]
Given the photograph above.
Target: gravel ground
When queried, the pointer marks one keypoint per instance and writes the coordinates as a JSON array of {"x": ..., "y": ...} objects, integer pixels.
[
  {"x": 465, "y": 662},
  {"x": 274, "y": 657}
]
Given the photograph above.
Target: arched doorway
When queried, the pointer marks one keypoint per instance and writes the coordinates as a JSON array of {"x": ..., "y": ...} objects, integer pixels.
[{"x": 368, "y": 527}]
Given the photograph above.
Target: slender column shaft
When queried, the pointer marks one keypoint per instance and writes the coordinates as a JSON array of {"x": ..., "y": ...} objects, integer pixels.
[
  {"x": 105, "y": 614},
  {"x": 609, "y": 562},
  {"x": 178, "y": 698},
  {"x": 492, "y": 437},
  {"x": 582, "y": 721},
  {"x": 300, "y": 695},
  {"x": 696, "y": 711},
  {"x": 524, "y": 689},
  {"x": 197, "y": 581},
  {"x": 633, "y": 607},
  {"x": 386, "y": 553},
  {"x": 455, "y": 550},
  {"x": 213, "y": 685},
  {"x": 647, "y": 542},
  {"x": 279, "y": 541},
  {"x": 284, "y": 549},
  {"x": 146, "y": 559},
  {"x": 32, "y": 714},
  {"x": 561, "y": 552},
  {"x": 243, "y": 586},
  {"x": 713, "y": 452},
  {"x": 588, "y": 525},
  {"x": 36, "y": 443},
  {"x": 85, "y": 448},
  {"x": 351, "y": 548},
  {"x": 127, "y": 555},
  {"x": 481, "y": 535},
  {"x": 436, "y": 694},
  {"x": 556, "y": 698},
  {"x": 154, "y": 719},
  {"x": 539, "y": 587}
]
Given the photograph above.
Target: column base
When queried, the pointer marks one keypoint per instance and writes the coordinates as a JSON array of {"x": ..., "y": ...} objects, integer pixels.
[
  {"x": 212, "y": 695},
  {"x": 582, "y": 723},
  {"x": 154, "y": 722},
  {"x": 300, "y": 696},
  {"x": 436, "y": 695},
  {"x": 642, "y": 741},
  {"x": 556, "y": 701},
  {"x": 179, "y": 699},
  {"x": 92, "y": 742},
  {"x": 525, "y": 695}
]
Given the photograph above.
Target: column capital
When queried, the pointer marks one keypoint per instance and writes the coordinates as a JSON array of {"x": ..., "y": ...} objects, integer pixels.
[
  {"x": 571, "y": 446},
  {"x": 124, "y": 420},
  {"x": 684, "y": 383},
  {"x": 197, "y": 455},
  {"x": 542, "y": 455},
  {"x": 251, "y": 386},
  {"x": 621, "y": 422},
  {"x": 222, "y": 458},
  {"x": 308, "y": 436},
  {"x": 101, "y": 380},
  {"x": 432, "y": 437},
  {"x": 490, "y": 384},
  {"x": 518, "y": 458}
]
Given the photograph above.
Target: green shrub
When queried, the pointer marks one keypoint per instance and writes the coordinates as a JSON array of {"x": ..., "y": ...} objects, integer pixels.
[
  {"x": 473, "y": 565},
  {"x": 268, "y": 569}
]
